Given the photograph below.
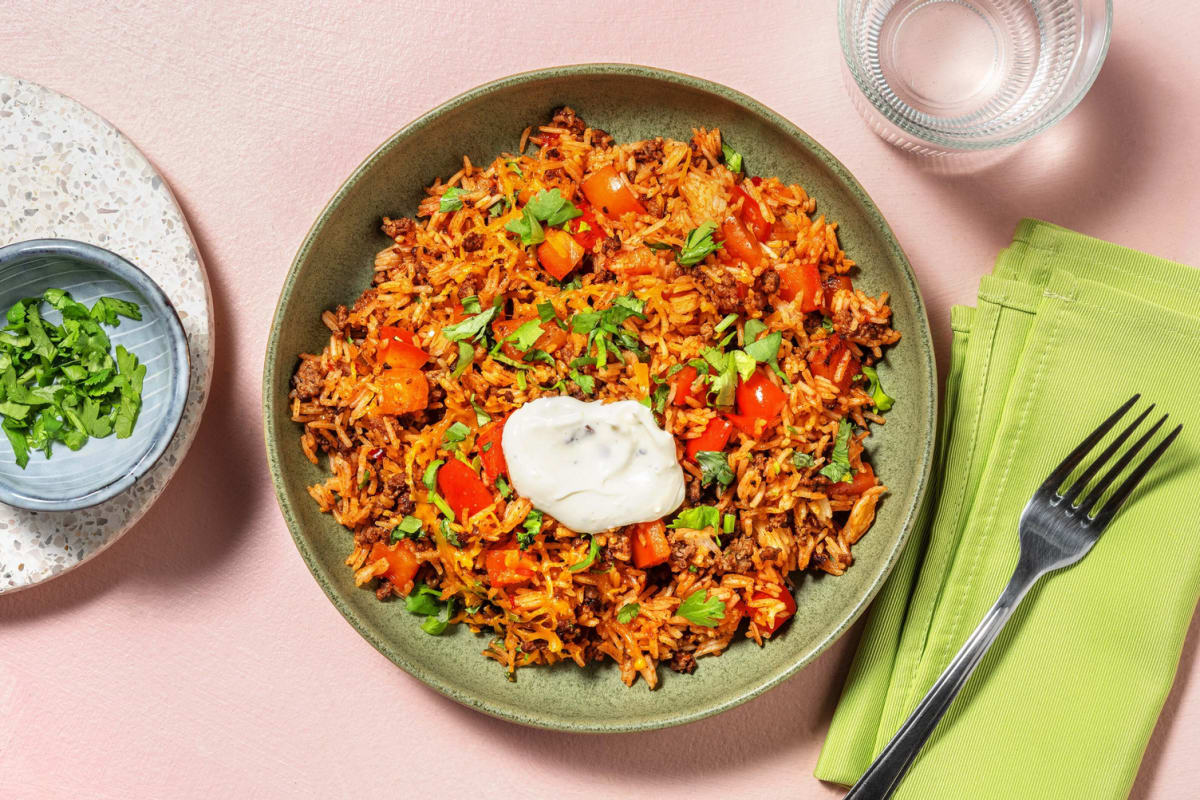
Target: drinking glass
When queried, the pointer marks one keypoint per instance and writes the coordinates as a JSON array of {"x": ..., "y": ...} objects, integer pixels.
[{"x": 938, "y": 77}]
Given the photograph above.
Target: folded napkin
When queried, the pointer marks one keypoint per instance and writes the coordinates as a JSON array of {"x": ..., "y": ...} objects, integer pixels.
[{"x": 1066, "y": 329}]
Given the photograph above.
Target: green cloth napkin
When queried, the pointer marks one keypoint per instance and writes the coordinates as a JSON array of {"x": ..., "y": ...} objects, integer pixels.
[{"x": 1066, "y": 328}]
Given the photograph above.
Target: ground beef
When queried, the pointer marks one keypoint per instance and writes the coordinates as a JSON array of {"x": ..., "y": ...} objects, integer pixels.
[
  {"x": 566, "y": 630},
  {"x": 370, "y": 535},
  {"x": 399, "y": 229},
  {"x": 648, "y": 151},
  {"x": 384, "y": 590},
  {"x": 591, "y": 598},
  {"x": 610, "y": 245},
  {"x": 603, "y": 562},
  {"x": 396, "y": 486},
  {"x": 601, "y": 138},
  {"x": 436, "y": 394},
  {"x": 767, "y": 282},
  {"x": 697, "y": 493},
  {"x": 308, "y": 379},
  {"x": 725, "y": 295},
  {"x": 655, "y": 206},
  {"x": 364, "y": 300},
  {"x": 472, "y": 242},
  {"x": 683, "y": 662},
  {"x": 769, "y": 553},
  {"x": 620, "y": 544},
  {"x": 736, "y": 557},
  {"x": 469, "y": 287},
  {"x": 565, "y": 117},
  {"x": 681, "y": 556}
]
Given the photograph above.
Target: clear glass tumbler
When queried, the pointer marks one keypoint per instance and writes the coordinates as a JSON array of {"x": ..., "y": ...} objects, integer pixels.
[{"x": 938, "y": 77}]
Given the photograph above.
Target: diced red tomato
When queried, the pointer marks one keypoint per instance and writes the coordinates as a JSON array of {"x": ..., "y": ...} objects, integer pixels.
[
  {"x": 752, "y": 214},
  {"x": 756, "y": 180},
  {"x": 466, "y": 493},
  {"x": 560, "y": 253},
  {"x": 746, "y": 424},
  {"x": 685, "y": 385},
  {"x": 609, "y": 191},
  {"x": 801, "y": 281},
  {"x": 829, "y": 286},
  {"x": 762, "y": 616},
  {"x": 863, "y": 479},
  {"x": 584, "y": 228},
  {"x": 402, "y": 563},
  {"x": 650, "y": 545},
  {"x": 553, "y": 338},
  {"x": 398, "y": 348},
  {"x": 715, "y": 437},
  {"x": 739, "y": 241},
  {"x": 758, "y": 398},
  {"x": 834, "y": 361},
  {"x": 508, "y": 567},
  {"x": 402, "y": 390},
  {"x": 491, "y": 451}
]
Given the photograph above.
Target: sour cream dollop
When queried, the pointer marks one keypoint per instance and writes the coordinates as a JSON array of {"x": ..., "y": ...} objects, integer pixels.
[{"x": 592, "y": 466}]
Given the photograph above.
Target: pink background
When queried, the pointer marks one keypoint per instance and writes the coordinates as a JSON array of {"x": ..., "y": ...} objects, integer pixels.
[{"x": 197, "y": 657}]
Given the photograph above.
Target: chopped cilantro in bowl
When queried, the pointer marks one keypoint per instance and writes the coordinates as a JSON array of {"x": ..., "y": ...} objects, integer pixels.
[{"x": 103, "y": 390}]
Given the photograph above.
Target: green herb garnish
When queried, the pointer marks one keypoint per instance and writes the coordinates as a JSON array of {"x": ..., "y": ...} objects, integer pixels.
[
  {"x": 802, "y": 460},
  {"x": 466, "y": 355},
  {"x": 628, "y": 612},
  {"x": 698, "y": 609},
  {"x": 550, "y": 207},
  {"x": 409, "y": 528},
  {"x": 503, "y": 487},
  {"x": 593, "y": 550},
  {"x": 450, "y": 200},
  {"x": 882, "y": 400},
  {"x": 527, "y": 227},
  {"x": 714, "y": 466},
  {"x": 533, "y": 526},
  {"x": 698, "y": 245},
  {"x": 697, "y": 518},
  {"x": 60, "y": 383},
  {"x": 473, "y": 327},
  {"x": 481, "y": 417},
  {"x": 455, "y": 434},
  {"x": 732, "y": 158},
  {"x": 728, "y": 320},
  {"x": 838, "y": 468}
]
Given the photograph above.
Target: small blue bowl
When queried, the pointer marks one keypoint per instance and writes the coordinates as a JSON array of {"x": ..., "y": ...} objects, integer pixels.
[{"x": 102, "y": 468}]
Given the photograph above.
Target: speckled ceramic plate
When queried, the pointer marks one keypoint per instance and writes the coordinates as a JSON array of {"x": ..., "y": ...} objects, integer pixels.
[
  {"x": 66, "y": 173},
  {"x": 334, "y": 266}
]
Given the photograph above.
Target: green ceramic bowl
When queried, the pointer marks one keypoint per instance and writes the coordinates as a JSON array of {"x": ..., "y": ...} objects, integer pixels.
[{"x": 334, "y": 266}]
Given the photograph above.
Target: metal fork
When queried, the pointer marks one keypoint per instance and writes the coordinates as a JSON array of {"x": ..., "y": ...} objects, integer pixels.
[{"x": 1056, "y": 530}]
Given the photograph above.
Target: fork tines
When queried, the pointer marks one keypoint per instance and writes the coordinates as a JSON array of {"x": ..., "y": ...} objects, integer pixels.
[{"x": 1097, "y": 515}]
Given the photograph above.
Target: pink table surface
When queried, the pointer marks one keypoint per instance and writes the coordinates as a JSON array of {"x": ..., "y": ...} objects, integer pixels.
[{"x": 197, "y": 657}]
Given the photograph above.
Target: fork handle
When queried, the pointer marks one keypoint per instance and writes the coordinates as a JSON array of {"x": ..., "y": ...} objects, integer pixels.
[{"x": 884, "y": 775}]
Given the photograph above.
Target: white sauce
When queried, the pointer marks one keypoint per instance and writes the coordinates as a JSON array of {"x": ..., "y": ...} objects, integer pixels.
[{"x": 592, "y": 466}]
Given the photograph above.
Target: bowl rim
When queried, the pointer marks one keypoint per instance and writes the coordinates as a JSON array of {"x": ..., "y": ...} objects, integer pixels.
[
  {"x": 160, "y": 304},
  {"x": 533, "y": 717}
]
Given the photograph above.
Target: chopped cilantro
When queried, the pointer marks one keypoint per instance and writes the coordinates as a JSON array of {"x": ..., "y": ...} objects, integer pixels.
[
  {"x": 698, "y": 609},
  {"x": 728, "y": 320},
  {"x": 423, "y": 600},
  {"x": 430, "y": 476},
  {"x": 752, "y": 330},
  {"x": 524, "y": 337},
  {"x": 882, "y": 400},
  {"x": 481, "y": 416},
  {"x": 409, "y": 528},
  {"x": 714, "y": 466},
  {"x": 466, "y": 355},
  {"x": 515, "y": 167},
  {"x": 658, "y": 245},
  {"x": 550, "y": 207},
  {"x": 698, "y": 245},
  {"x": 471, "y": 304},
  {"x": 660, "y": 397},
  {"x": 533, "y": 526},
  {"x": 455, "y": 434},
  {"x": 60, "y": 383},
  {"x": 728, "y": 523},
  {"x": 827, "y": 324},
  {"x": 364, "y": 479},
  {"x": 527, "y": 227},
  {"x": 697, "y": 518},
  {"x": 586, "y": 383},
  {"x": 546, "y": 313},
  {"x": 838, "y": 468},
  {"x": 521, "y": 383},
  {"x": 450, "y": 200},
  {"x": 628, "y": 612},
  {"x": 503, "y": 487},
  {"x": 436, "y": 625},
  {"x": 448, "y": 533},
  {"x": 474, "y": 326},
  {"x": 593, "y": 550},
  {"x": 732, "y": 158},
  {"x": 802, "y": 460}
]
